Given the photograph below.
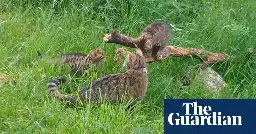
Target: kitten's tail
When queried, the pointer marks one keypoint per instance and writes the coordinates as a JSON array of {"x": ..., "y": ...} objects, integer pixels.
[{"x": 53, "y": 89}]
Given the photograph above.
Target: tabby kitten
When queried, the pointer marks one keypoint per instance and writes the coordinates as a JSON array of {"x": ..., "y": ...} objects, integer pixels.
[
  {"x": 131, "y": 84},
  {"x": 154, "y": 37},
  {"x": 80, "y": 62}
]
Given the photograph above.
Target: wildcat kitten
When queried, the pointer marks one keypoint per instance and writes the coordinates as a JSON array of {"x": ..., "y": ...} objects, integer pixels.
[
  {"x": 131, "y": 84},
  {"x": 154, "y": 37},
  {"x": 80, "y": 62}
]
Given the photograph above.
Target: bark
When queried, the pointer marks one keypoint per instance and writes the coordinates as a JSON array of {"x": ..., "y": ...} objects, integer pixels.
[
  {"x": 155, "y": 54},
  {"x": 118, "y": 38},
  {"x": 203, "y": 55}
]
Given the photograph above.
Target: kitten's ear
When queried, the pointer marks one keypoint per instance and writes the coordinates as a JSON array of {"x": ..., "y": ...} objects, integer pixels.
[
  {"x": 98, "y": 50},
  {"x": 95, "y": 51}
]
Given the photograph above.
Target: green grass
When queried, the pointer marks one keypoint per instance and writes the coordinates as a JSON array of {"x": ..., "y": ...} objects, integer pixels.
[{"x": 27, "y": 26}]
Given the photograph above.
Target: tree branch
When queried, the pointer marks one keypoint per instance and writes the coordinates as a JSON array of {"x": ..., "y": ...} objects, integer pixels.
[
  {"x": 152, "y": 44},
  {"x": 203, "y": 55},
  {"x": 120, "y": 39}
]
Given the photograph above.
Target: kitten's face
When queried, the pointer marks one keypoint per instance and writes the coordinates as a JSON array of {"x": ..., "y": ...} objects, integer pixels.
[{"x": 98, "y": 55}]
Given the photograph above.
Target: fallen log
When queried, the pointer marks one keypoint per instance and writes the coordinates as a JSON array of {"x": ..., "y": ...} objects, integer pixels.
[{"x": 153, "y": 44}]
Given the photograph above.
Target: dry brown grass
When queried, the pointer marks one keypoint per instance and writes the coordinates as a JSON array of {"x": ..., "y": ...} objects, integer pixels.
[{"x": 3, "y": 78}]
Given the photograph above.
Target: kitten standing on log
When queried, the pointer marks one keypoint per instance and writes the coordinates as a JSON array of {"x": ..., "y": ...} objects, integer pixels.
[
  {"x": 80, "y": 62},
  {"x": 152, "y": 40},
  {"x": 153, "y": 44},
  {"x": 131, "y": 84}
]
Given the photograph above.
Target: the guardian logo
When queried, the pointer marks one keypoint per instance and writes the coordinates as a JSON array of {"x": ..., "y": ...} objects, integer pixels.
[{"x": 202, "y": 115}]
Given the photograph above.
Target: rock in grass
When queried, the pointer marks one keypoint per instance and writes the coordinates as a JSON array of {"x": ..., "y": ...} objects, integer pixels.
[{"x": 210, "y": 79}]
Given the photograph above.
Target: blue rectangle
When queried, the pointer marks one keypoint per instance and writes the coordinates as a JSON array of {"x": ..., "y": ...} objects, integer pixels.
[{"x": 211, "y": 116}]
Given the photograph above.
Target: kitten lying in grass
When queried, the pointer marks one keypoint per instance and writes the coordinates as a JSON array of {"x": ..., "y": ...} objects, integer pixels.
[
  {"x": 78, "y": 62},
  {"x": 131, "y": 84}
]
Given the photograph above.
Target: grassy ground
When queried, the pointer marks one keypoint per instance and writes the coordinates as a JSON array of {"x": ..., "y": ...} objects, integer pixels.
[{"x": 53, "y": 29}]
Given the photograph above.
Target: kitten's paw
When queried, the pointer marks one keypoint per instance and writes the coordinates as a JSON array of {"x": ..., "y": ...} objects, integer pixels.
[{"x": 107, "y": 38}]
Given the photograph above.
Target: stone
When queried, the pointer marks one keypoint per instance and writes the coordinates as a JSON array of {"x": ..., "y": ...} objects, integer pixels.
[{"x": 210, "y": 79}]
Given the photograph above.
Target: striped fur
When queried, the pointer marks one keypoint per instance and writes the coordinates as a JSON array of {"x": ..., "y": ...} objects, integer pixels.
[
  {"x": 155, "y": 37},
  {"x": 131, "y": 84},
  {"x": 79, "y": 62}
]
